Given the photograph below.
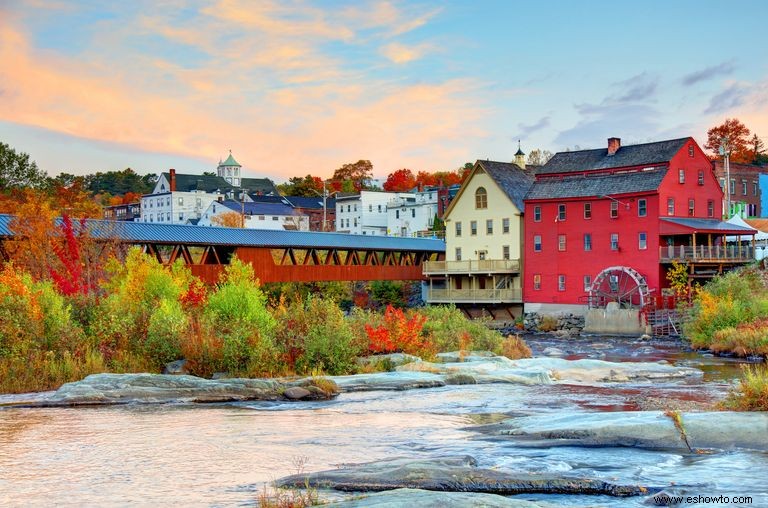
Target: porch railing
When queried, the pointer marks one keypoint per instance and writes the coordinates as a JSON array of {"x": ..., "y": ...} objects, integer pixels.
[
  {"x": 472, "y": 266},
  {"x": 513, "y": 295},
  {"x": 704, "y": 253}
]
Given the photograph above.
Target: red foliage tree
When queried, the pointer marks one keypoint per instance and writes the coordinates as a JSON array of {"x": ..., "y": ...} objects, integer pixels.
[
  {"x": 401, "y": 180},
  {"x": 71, "y": 279}
]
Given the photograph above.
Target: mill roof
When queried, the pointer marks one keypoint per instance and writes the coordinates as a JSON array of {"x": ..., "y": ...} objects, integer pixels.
[
  {"x": 644, "y": 154},
  {"x": 599, "y": 185}
]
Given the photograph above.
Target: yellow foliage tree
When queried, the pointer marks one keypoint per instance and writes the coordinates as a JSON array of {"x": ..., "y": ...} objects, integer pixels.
[{"x": 229, "y": 220}]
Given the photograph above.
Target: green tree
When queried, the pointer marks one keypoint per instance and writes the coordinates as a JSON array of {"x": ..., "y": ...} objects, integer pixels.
[
  {"x": 18, "y": 171},
  {"x": 539, "y": 157},
  {"x": 308, "y": 186},
  {"x": 758, "y": 150},
  {"x": 119, "y": 183},
  {"x": 360, "y": 173}
]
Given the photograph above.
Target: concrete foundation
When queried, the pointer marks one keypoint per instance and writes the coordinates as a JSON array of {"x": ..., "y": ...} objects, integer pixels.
[{"x": 615, "y": 321}]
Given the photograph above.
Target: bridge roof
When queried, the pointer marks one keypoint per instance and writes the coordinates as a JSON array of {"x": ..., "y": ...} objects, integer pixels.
[{"x": 152, "y": 232}]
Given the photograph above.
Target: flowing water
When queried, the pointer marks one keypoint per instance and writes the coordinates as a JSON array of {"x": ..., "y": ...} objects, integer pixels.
[{"x": 225, "y": 454}]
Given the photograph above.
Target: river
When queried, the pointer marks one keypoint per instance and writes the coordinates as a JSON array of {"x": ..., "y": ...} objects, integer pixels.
[{"x": 225, "y": 454}]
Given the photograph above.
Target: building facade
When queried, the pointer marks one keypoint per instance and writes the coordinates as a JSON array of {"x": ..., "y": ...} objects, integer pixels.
[
  {"x": 606, "y": 224},
  {"x": 322, "y": 216},
  {"x": 484, "y": 232},
  {"x": 364, "y": 213},
  {"x": 412, "y": 213},
  {"x": 126, "y": 212},
  {"x": 743, "y": 188}
]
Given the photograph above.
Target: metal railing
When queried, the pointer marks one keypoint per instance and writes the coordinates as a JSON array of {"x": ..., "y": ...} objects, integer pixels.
[
  {"x": 707, "y": 253},
  {"x": 513, "y": 295},
  {"x": 472, "y": 266}
]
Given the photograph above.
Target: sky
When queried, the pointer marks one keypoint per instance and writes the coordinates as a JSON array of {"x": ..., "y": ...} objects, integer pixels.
[{"x": 303, "y": 87}]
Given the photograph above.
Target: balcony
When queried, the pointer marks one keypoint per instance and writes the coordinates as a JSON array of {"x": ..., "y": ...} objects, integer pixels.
[
  {"x": 472, "y": 266},
  {"x": 514, "y": 295},
  {"x": 707, "y": 254}
]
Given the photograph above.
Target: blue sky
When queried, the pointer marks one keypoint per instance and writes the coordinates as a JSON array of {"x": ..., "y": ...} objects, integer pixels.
[{"x": 299, "y": 87}]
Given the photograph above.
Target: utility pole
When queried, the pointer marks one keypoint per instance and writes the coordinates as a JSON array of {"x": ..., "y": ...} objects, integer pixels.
[{"x": 725, "y": 150}]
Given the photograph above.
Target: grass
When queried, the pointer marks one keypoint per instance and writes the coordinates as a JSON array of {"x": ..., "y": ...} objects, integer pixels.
[
  {"x": 328, "y": 386},
  {"x": 752, "y": 391},
  {"x": 548, "y": 324},
  {"x": 514, "y": 348},
  {"x": 677, "y": 419},
  {"x": 277, "y": 497}
]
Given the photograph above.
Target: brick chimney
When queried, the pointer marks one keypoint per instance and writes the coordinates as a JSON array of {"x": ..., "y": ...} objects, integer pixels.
[
  {"x": 613, "y": 145},
  {"x": 172, "y": 177}
]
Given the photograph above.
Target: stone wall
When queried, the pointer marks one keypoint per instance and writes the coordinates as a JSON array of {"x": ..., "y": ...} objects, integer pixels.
[{"x": 571, "y": 323}]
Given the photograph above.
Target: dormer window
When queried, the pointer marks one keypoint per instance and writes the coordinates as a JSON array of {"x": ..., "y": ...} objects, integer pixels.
[{"x": 481, "y": 198}]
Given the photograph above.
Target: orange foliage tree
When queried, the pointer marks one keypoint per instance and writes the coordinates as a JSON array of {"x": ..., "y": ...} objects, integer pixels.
[
  {"x": 738, "y": 140},
  {"x": 228, "y": 220},
  {"x": 400, "y": 332}
]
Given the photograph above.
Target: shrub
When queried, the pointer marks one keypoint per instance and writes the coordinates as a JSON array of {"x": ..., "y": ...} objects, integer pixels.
[
  {"x": 514, "y": 348},
  {"x": 726, "y": 302},
  {"x": 387, "y": 292},
  {"x": 752, "y": 392},
  {"x": 548, "y": 324},
  {"x": 743, "y": 340},
  {"x": 47, "y": 370},
  {"x": 237, "y": 312},
  {"x": 400, "y": 332},
  {"x": 450, "y": 330},
  {"x": 314, "y": 335},
  {"x": 166, "y": 330}
]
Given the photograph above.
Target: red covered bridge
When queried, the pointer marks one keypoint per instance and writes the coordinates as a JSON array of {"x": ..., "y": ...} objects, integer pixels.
[{"x": 276, "y": 256}]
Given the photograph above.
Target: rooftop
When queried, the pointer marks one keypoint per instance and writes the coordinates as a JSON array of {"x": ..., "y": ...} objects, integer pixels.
[
  {"x": 514, "y": 181},
  {"x": 645, "y": 154},
  {"x": 602, "y": 185}
]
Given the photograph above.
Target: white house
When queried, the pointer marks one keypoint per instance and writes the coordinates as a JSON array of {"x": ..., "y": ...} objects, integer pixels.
[
  {"x": 257, "y": 215},
  {"x": 411, "y": 213},
  {"x": 364, "y": 213}
]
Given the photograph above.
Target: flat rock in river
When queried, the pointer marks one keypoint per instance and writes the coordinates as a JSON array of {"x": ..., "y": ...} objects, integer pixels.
[
  {"x": 642, "y": 429},
  {"x": 430, "y": 499},
  {"x": 160, "y": 388},
  {"x": 452, "y": 474}
]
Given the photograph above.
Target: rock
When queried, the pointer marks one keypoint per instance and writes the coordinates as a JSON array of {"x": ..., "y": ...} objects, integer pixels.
[
  {"x": 393, "y": 359},
  {"x": 99, "y": 389},
  {"x": 460, "y": 379},
  {"x": 177, "y": 367},
  {"x": 553, "y": 351},
  {"x": 452, "y": 474},
  {"x": 641, "y": 429},
  {"x": 464, "y": 356},
  {"x": 645, "y": 336},
  {"x": 389, "y": 381},
  {"x": 296, "y": 393},
  {"x": 431, "y": 499}
]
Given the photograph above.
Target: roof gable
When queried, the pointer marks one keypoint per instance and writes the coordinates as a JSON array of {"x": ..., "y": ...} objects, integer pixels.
[
  {"x": 510, "y": 178},
  {"x": 644, "y": 154}
]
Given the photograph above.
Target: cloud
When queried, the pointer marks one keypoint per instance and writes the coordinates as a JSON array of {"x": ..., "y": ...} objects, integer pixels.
[
  {"x": 708, "y": 73},
  {"x": 527, "y": 130},
  {"x": 400, "y": 54},
  {"x": 285, "y": 105},
  {"x": 598, "y": 122},
  {"x": 637, "y": 88},
  {"x": 732, "y": 97}
]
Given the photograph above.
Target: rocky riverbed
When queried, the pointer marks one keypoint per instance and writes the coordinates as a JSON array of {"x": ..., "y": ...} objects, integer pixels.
[{"x": 564, "y": 428}]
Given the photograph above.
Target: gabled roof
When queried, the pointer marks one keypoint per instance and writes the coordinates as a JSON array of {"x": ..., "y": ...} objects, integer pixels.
[
  {"x": 255, "y": 208},
  {"x": 207, "y": 183},
  {"x": 510, "y": 178},
  {"x": 262, "y": 185},
  {"x": 230, "y": 161},
  {"x": 602, "y": 185},
  {"x": 645, "y": 154}
]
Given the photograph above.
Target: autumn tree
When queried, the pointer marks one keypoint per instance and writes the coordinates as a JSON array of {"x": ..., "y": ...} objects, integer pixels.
[
  {"x": 360, "y": 173},
  {"x": 539, "y": 157},
  {"x": 228, "y": 220},
  {"x": 426, "y": 179},
  {"x": 737, "y": 135},
  {"x": 307, "y": 186},
  {"x": 401, "y": 180},
  {"x": 17, "y": 171}
]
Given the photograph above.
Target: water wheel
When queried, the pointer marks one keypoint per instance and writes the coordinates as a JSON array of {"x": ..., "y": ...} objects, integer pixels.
[{"x": 620, "y": 284}]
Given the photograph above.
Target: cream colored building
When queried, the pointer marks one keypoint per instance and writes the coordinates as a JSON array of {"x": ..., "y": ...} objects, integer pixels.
[{"x": 484, "y": 237}]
